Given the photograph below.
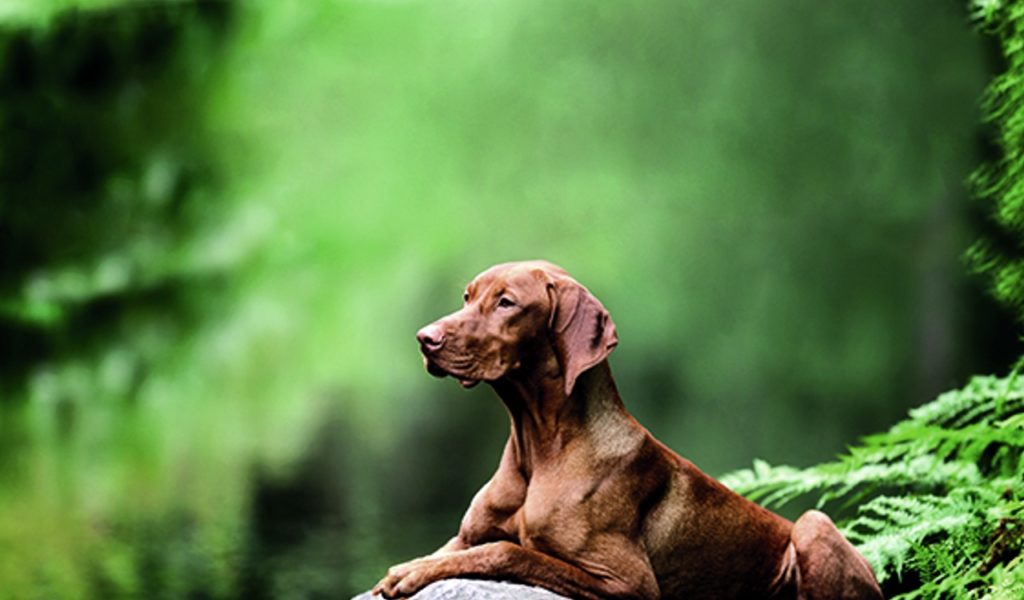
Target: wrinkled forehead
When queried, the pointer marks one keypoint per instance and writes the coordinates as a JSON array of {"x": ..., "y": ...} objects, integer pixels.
[{"x": 522, "y": 277}]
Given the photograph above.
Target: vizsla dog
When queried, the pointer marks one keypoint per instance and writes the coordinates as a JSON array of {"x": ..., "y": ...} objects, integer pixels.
[{"x": 585, "y": 502}]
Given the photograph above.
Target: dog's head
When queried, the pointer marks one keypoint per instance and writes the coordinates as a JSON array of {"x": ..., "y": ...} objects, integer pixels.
[{"x": 515, "y": 314}]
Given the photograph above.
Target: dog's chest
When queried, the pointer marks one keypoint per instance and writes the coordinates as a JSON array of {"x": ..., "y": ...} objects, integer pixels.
[{"x": 556, "y": 516}]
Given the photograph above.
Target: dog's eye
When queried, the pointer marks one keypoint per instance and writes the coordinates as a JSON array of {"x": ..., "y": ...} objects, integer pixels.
[
  {"x": 465, "y": 296},
  {"x": 504, "y": 302}
]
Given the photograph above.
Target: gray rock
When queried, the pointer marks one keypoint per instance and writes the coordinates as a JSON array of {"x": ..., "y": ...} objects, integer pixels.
[{"x": 477, "y": 589}]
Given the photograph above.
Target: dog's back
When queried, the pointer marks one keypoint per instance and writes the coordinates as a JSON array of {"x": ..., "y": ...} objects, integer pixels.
[{"x": 706, "y": 541}]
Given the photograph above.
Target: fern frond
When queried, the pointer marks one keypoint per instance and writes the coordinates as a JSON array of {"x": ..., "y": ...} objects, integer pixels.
[{"x": 940, "y": 496}]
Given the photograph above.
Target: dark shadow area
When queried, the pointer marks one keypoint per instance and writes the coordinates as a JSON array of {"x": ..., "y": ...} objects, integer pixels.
[{"x": 107, "y": 175}]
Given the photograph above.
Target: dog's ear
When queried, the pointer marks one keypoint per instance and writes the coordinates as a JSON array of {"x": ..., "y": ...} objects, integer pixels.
[{"x": 581, "y": 330}]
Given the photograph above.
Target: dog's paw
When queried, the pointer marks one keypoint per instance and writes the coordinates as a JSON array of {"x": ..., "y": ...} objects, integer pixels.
[{"x": 404, "y": 580}]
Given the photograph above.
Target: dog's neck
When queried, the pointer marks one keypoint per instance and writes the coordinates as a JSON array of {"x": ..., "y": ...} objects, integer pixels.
[{"x": 545, "y": 420}]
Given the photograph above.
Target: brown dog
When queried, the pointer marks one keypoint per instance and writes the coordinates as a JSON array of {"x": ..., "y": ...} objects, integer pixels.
[{"x": 585, "y": 502}]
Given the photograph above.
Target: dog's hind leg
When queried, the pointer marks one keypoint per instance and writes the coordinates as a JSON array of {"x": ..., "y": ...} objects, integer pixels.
[{"x": 830, "y": 567}]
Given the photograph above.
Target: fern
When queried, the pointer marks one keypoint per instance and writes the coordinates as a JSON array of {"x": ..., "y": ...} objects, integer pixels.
[
  {"x": 936, "y": 504},
  {"x": 999, "y": 184}
]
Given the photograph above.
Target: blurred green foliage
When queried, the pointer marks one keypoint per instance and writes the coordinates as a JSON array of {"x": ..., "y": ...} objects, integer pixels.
[
  {"x": 222, "y": 222},
  {"x": 936, "y": 502},
  {"x": 1000, "y": 181},
  {"x": 113, "y": 248}
]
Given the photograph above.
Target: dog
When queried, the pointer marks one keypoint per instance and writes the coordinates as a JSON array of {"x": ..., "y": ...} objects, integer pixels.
[{"x": 585, "y": 502}]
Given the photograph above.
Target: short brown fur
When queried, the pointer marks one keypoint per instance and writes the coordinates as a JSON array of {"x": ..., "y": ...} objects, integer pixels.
[{"x": 585, "y": 502}]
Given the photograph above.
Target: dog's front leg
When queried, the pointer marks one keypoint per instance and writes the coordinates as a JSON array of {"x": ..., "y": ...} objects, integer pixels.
[{"x": 506, "y": 560}]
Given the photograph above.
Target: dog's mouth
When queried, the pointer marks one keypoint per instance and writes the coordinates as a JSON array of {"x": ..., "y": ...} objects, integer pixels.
[{"x": 438, "y": 371}]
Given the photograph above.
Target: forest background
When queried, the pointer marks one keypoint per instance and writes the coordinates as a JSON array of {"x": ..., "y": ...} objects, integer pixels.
[{"x": 221, "y": 224}]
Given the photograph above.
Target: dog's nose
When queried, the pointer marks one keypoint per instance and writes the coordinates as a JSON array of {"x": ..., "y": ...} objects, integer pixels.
[{"x": 431, "y": 337}]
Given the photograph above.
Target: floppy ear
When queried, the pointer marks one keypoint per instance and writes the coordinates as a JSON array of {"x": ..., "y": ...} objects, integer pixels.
[{"x": 581, "y": 330}]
